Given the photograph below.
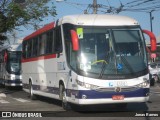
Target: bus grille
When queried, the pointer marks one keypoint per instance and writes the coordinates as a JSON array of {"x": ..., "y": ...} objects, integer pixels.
[{"x": 123, "y": 89}]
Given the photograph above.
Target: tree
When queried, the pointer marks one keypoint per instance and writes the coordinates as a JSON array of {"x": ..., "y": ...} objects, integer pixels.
[{"x": 16, "y": 13}]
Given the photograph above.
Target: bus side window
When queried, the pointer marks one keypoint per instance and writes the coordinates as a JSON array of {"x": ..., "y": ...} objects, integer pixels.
[
  {"x": 35, "y": 48},
  {"x": 29, "y": 49},
  {"x": 24, "y": 49},
  {"x": 58, "y": 40},
  {"x": 53, "y": 41},
  {"x": 41, "y": 45},
  {"x": 49, "y": 42}
]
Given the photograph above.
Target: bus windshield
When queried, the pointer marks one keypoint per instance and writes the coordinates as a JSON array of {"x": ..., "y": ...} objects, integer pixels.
[
  {"x": 110, "y": 51},
  {"x": 14, "y": 62}
]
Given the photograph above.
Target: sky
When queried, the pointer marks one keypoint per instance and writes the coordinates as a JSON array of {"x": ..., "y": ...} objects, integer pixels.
[{"x": 70, "y": 7}]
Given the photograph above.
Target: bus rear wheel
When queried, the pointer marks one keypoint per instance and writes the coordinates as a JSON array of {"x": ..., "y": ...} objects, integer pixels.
[
  {"x": 31, "y": 95},
  {"x": 63, "y": 97}
]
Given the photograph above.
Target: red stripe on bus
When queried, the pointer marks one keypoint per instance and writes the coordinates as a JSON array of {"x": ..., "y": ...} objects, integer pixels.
[
  {"x": 38, "y": 58},
  {"x": 40, "y": 31}
]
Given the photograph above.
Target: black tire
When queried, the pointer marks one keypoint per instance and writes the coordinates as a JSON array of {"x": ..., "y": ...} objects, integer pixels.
[
  {"x": 152, "y": 82},
  {"x": 3, "y": 84},
  {"x": 62, "y": 96},
  {"x": 158, "y": 80},
  {"x": 31, "y": 95}
]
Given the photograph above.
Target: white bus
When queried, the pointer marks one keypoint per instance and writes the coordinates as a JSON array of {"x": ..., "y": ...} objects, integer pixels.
[
  {"x": 10, "y": 65},
  {"x": 87, "y": 60}
]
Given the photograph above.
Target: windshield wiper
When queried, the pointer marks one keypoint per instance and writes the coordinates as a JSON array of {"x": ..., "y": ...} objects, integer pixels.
[
  {"x": 102, "y": 70},
  {"x": 104, "y": 66},
  {"x": 128, "y": 66}
]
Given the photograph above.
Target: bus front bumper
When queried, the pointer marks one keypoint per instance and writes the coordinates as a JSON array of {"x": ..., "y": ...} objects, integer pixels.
[{"x": 16, "y": 82}]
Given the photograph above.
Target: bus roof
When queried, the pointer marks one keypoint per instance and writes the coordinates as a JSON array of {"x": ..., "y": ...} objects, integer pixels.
[
  {"x": 40, "y": 31},
  {"x": 98, "y": 20},
  {"x": 88, "y": 20}
]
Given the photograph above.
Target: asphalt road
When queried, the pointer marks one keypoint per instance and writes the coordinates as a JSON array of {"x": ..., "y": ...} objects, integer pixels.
[{"x": 16, "y": 100}]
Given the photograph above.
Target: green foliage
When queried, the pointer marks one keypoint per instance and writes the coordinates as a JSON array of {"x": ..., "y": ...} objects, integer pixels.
[{"x": 30, "y": 12}]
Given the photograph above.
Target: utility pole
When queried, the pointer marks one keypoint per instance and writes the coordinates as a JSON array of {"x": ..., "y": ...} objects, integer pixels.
[
  {"x": 151, "y": 18},
  {"x": 95, "y": 6}
]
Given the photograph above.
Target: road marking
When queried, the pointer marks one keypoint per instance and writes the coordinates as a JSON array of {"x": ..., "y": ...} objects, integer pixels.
[
  {"x": 3, "y": 101},
  {"x": 21, "y": 100},
  {"x": 2, "y": 95}
]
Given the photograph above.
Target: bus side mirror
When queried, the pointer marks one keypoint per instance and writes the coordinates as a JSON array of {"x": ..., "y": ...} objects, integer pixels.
[
  {"x": 75, "y": 42},
  {"x": 152, "y": 39}
]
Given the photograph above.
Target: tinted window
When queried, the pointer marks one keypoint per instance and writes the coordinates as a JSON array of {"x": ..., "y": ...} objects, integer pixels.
[
  {"x": 35, "y": 47},
  {"x": 49, "y": 42},
  {"x": 58, "y": 40}
]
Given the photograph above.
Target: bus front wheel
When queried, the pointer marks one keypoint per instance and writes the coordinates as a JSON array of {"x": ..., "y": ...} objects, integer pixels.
[{"x": 63, "y": 98}]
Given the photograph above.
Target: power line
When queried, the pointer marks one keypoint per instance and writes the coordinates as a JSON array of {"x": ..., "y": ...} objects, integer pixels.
[
  {"x": 142, "y": 6},
  {"x": 132, "y": 6},
  {"x": 132, "y": 2},
  {"x": 141, "y": 3}
]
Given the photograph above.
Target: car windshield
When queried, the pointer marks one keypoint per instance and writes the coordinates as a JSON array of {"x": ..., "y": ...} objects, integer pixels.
[
  {"x": 154, "y": 65},
  {"x": 109, "y": 51}
]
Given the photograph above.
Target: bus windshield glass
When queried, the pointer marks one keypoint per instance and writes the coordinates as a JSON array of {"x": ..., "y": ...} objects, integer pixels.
[
  {"x": 14, "y": 62},
  {"x": 109, "y": 51}
]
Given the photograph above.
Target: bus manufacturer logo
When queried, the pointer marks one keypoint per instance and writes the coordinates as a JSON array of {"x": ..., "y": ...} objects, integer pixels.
[{"x": 117, "y": 89}]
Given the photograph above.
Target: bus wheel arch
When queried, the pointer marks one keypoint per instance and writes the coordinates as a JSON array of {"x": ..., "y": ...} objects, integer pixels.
[{"x": 61, "y": 88}]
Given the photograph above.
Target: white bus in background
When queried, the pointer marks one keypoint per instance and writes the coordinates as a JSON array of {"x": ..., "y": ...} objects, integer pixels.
[
  {"x": 10, "y": 65},
  {"x": 87, "y": 59}
]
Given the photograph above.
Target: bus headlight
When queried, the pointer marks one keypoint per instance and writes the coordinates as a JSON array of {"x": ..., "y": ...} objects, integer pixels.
[
  {"x": 86, "y": 85},
  {"x": 143, "y": 84},
  {"x": 80, "y": 83}
]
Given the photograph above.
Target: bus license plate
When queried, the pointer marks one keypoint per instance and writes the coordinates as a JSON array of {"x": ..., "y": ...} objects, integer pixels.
[{"x": 118, "y": 97}]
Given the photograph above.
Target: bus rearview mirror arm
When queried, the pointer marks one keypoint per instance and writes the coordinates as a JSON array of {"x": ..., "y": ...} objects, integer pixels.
[{"x": 152, "y": 40}]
